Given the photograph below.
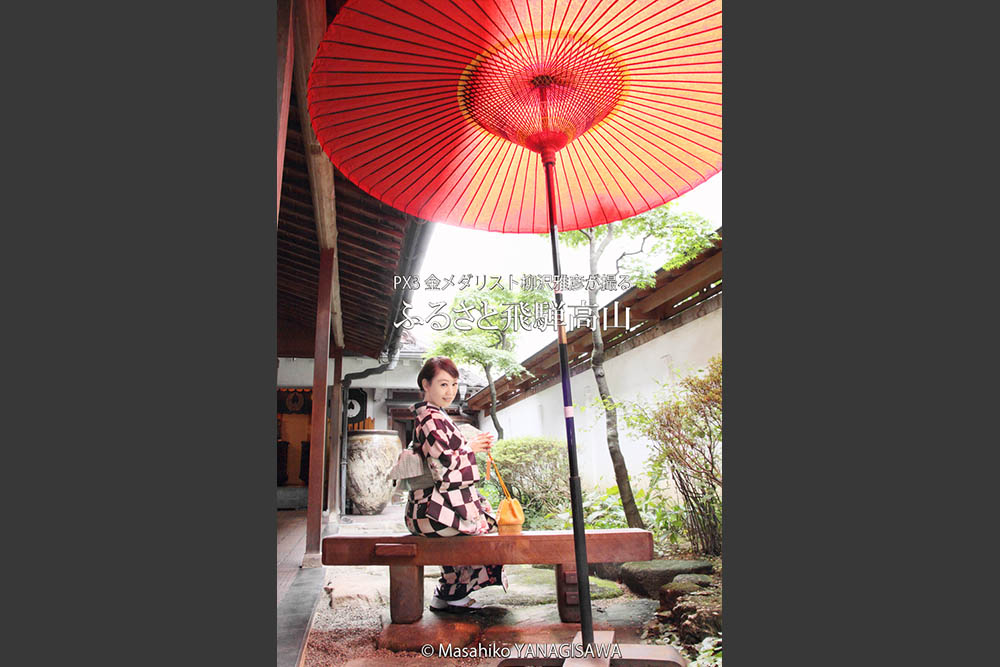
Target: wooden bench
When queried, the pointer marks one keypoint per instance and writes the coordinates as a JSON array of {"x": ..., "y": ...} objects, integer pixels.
[{"x": 406, "y": 555}]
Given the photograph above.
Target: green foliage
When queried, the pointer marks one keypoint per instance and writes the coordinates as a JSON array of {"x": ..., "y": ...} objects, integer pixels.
[
  {"x": 466, "y": 341},
  {"x": 603, "y": 509},
  {"x": 679, "y": 235},
  {"x": 474, "y": 347},
  {"x": 709, "y": 653},
  {"x": 686, "y": 430},
  {"x": 661, "y": 232},
  {"x": 663, "y": 516},
  {"x": 536, "y": 472},
  {"x": 481, "y": 315},
  {"x": 491, "y": 491},
  {"x": 686, "y": 427}
]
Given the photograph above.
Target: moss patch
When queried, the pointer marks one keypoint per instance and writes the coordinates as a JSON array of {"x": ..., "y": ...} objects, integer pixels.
[{"x": 534, "y": 586}]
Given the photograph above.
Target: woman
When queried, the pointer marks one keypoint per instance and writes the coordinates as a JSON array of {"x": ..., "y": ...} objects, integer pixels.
[{"x": 452, "y": 506}]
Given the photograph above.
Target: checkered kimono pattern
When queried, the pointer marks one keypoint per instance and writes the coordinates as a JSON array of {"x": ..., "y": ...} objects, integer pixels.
[{"x": 452, "y": 506}]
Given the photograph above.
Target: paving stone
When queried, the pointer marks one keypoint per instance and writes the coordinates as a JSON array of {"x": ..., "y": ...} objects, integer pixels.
[
  {"x": 609, "y": 571},
  {"x": 646, "y": 577},
  {"x": 670, "y": 592},
  {"x": 700, "y": 579}
]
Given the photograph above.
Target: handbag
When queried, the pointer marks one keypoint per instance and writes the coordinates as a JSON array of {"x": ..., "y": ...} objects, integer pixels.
[{"x": 510, "y": 517}]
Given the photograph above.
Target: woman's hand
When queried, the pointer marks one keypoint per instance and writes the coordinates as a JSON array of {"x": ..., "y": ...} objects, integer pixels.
[{"x": 482, "y": 442}]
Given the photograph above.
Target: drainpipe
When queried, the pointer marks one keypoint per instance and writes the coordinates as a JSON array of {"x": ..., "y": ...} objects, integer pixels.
[{"x": 412, "y": 256}]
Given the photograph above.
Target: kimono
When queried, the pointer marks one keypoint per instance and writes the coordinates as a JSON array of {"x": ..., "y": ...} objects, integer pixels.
[{"x": 452, "y": 506}]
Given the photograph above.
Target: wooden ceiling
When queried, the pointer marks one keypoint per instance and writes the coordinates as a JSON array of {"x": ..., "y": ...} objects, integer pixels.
[
  {"x": 374, "y": 243},
  {"x": 370, "y": 240}
]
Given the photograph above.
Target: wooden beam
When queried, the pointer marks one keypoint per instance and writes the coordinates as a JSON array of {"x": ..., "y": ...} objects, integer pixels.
[
  {"x": 286, "y": 240},
  {"x": 285, "y": 58},
  {"x": 298, "y": 223},
  {"x": 369, "y": 253},
  {"x": 367, "y": 298},
  {"x": 369, "y": 293},
  {"x": 547, "y": 546},
  {"x": 506, "y": 388},
  {"x": 288, "y": 271},
  {"x": 369, "y": 219},
  {"x": 300, "y": 318},
  {"x": 303, "y": 209},
  {"x": 682, "y": 286},
  {"x": 289, "y": 296},
  {"x": 371, "y": 273},
  {"x": 297, "y": 287},
  {"x": 360, "y": 333},
  {"x": 298, "y": 313},
  {"x": 365, "y": 326},
  {"x": 293, "y": 261},
  {"x": 298, "y": 191},
  {"x": 299, "y": 304},
  {"x": 310, "y": 24},
  {"x": 372, "y": 236},
  {"x": 317, "y": 433},
  {"x": 308, "y": 256},
  {"x": 301, "y": 206},
  {"x": 674, "y": 305},
  {"x": 357, "y": 277},
  {"x": 292, "y": 293},
  {"x": 292, "y": 236}
]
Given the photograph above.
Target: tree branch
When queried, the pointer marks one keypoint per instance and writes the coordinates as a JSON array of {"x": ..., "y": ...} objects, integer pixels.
[{"x": 624, "y": 254}]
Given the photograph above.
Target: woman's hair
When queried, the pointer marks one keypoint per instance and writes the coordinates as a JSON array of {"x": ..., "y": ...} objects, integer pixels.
[{"x": 431, "y": 368}]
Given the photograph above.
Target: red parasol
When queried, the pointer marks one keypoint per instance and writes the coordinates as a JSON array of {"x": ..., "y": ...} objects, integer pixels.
[
  {"x": 439, "y": 108},
  {"x": 436, "y": 108}
]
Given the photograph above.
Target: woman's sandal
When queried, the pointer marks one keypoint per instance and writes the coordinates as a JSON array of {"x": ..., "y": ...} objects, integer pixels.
[{"x": 461, "y": 606}]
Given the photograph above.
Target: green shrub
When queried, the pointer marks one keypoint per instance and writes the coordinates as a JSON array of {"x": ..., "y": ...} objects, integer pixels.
[
  {"x": 536, "y": 472},
  {"x": 603, "y": 509},
  {"x": 686, "y": 431}
]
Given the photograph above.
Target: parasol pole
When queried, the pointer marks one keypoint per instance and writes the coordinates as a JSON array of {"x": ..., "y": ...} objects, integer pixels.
[{"x": 575, "y": 494}]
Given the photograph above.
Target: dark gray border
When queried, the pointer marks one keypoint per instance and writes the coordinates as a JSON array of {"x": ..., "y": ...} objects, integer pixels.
[
  {"x": 174, "y": 562},
  {"x": 811, "y": 261}
]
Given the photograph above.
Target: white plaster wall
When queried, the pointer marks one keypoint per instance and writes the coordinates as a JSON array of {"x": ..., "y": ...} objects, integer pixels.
[
  {"x": 298, "y": 372},
  {"x": 640, "y": 372}
]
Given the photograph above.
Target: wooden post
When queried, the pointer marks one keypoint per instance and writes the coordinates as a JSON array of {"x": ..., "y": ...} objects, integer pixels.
[
  {"x": 567, "y": 595},
  {"x": 317, "y": 436},
  {"x": 336, "y": 406},
  {"x": 406, "y": 593},
  {"x": 310, "y": 24},
  {"x": 286, "y": 56}
]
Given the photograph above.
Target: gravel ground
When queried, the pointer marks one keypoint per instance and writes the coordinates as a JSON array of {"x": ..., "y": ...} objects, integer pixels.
[
  {"x": 346, "y": 633},
  {"x": 346, "y": 636}
]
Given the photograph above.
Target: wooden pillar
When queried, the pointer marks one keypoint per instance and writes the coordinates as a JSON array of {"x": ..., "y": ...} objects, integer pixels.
[
  {"x": 317, "y": 436},
  {"x": 310, "y": 24},
  {"x": 336, "y": 407},
  {"x": 567, "y": 595},
  {"x": 406, "y": 593},
  {"x": 286, "y": 56}
]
